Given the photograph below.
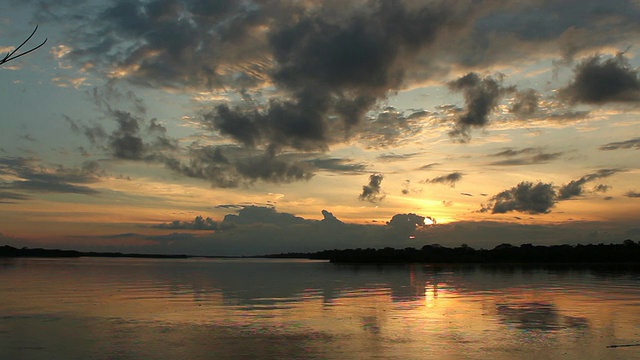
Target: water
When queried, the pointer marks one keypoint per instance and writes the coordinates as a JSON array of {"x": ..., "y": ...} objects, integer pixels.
[{"x": 91, "y": 308}]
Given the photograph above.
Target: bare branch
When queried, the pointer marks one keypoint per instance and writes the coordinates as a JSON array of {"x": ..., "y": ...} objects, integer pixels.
[{"x": 11, "y": 55}]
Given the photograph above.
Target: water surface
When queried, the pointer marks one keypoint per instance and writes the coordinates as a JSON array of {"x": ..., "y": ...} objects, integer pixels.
[{"x": 250, "y": 308}]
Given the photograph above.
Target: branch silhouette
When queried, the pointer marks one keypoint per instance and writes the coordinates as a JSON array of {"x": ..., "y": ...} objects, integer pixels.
[{"x": 12, "y": 55}]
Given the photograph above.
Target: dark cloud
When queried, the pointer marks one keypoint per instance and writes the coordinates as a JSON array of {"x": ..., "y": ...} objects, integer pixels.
[
  {"x": 257, "y": 230},
  {"x": 539, "y": 198},
  {"x": 230, "y": 206},
  {"x": 373, "y": 192},
  {"x": 514, "y": 28},
  {"x": 601, "y": 188},
  {"x": 525, "y": 103},
  {"x": 512, "y": 152},
  {"x": 429, "y": 166},
  {"x": 345, "y": 166},
  {"x": 134, "y": 137},
  {"x": 407, "y": 223},
  {"x": 632, "y": 194},
  {"x": 32, "y": 177},
  {"x": 207, "y": 163},
  {"x": 525, "y": 197},
  {"x": 627, "y": 144},
  {"x": 199, "y": 44},
  {"x": 128, "y": 141},
  {"x": 199, "y": 223},
  {"x": 449, "y": 179},
  {"x": 173, "y": 44},
  {"x": 268, "y": 167},
  {"x": 407, "y": 189},
  {"x": 313, "y": 74},
  {"x": 390, "y": 157},
  {"x": 481, "y": 97},
  {"x": 576, "y": 187},
  {"x": 298, "y": 124},
  {"x": 252, "y": 215},
  {"x": 9, "y": 197},
  {"x": 392, "y": 127},
  {"x": 329, "y": 218},
  {"x": 333, "y": 71},
  {"x": 240, "y": 167},
  {"x": 564, "y": 115},
  {"x": 599, "y": 81},
  {"x": 535, "y": 156}
]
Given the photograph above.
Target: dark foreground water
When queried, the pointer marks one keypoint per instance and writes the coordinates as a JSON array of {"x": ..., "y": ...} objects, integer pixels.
[{"x": 91, "y": 308}]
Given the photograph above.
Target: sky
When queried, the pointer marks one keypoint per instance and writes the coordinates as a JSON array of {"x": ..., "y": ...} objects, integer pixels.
[{"x": 221, "y": 127}]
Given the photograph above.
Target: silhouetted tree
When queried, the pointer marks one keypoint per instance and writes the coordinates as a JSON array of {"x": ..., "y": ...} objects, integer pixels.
[{"x": 13, "y": 54}]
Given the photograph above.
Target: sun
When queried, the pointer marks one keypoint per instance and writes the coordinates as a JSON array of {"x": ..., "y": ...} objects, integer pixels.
[{"x": 429, "y": 221}]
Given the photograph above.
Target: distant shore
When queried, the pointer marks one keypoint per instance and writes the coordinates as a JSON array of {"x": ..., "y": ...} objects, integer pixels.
[
  {"x": 9, "y": 251},
  {"x": 626, "y": 252}
]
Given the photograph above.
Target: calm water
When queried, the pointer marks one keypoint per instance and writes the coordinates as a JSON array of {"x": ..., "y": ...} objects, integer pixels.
[{"x": 215, "y": 309}]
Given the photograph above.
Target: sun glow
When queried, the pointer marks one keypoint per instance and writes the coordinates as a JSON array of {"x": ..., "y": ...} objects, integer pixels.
[{"x": 429, "y": 221}]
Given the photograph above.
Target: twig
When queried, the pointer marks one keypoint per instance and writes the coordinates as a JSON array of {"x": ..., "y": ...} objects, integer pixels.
[
  {"x": 623, "y": 345},
  {"x": 11, "y": 55}
]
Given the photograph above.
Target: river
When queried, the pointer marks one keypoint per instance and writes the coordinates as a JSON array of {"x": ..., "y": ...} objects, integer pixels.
[{"x": 106, "y": 308}]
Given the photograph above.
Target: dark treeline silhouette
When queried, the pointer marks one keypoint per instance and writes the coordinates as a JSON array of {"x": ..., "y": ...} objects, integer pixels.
[
  {"x": 8, "y": 251},
  {"x": 626, "y": 252}
]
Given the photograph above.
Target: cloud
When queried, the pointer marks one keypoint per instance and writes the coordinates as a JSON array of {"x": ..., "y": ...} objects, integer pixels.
[
  {"x": 373, "y": 192},
  {"x": 632, "y": 194},
  {"x": 260, "y": 230},
  {"x": 599, "y": 81},
  {"x": 331, "y": 70},
  {"x": 230, "y": 166},
  {"x": 329, "y": 218},
  {"x": 407, "y": 223},
  {"x": 257, "y": 230},
  {"x": 539, "y": 198},
  {"x": 391, "y": 157},
  {"x": 429, "y": 166},
  {"x": 512, "y": 152},
  {"x": 627, "y": 144},
  {"x": 338, "y": 165},
  {"x": 269, "y": 167},
  {"x": 576, "y": 187},
  {"x": 481, "y": 97},
  {"x": 526, "y": 197},
  {"x": 230, "y": 206},
  {"x": 449, "y": 179},
  {"x": 601, "y": 188},
  {"x": 199, "y": 223},
  {"x": 392, "y": 127},
  {"x": 407, "y": 189},
  {"x": 27, "y": 176},
  {"x": 9, "y": 197},
  {"x": 525, "y": 103},
  {"x": 536, "y": 156},
  {"x": 134, "y": 137},
  {"x": 206, "y": 163},
  {"x": 251, "y": 215}
]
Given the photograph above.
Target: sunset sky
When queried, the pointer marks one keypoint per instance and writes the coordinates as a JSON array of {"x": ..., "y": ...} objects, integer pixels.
[{"x": 226, "y": 127}]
